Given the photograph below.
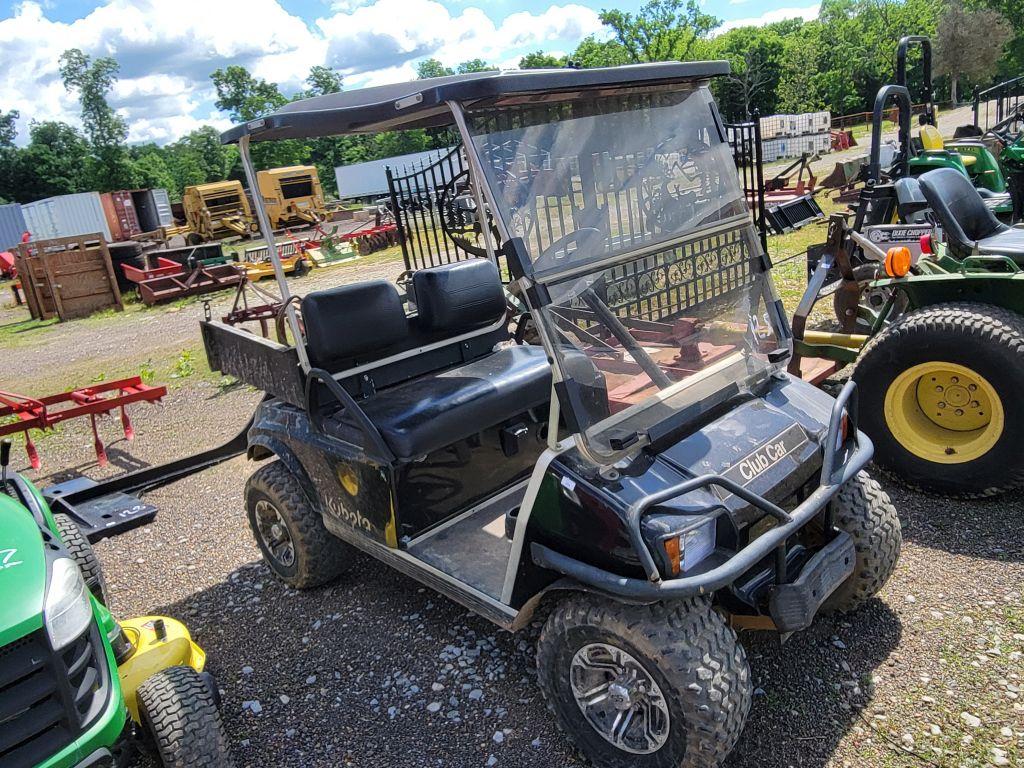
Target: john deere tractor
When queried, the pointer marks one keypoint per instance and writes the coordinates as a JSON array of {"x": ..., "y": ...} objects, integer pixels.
[{"x": 77, "y": 687}]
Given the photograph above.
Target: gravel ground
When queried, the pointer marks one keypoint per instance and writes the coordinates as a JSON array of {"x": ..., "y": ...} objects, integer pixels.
[{"x": 376, "y": 670}]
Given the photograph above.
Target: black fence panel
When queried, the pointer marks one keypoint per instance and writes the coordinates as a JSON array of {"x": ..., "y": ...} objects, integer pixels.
[
  {"x": 996, "y": 103},
  {"x": 745, "y": 140}
]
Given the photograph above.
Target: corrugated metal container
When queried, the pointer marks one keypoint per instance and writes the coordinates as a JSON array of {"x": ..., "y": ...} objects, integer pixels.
[
  {"x": 370, "y": 180},
  {"x": 66, "y": 216},
  {"x": 119, "y": 209},
  {"x": 12, "y": 225},
  {"x": 162, "y": 205}
]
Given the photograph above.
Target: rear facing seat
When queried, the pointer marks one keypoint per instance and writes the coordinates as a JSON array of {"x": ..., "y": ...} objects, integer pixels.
[{"x": 433, "y": 410}]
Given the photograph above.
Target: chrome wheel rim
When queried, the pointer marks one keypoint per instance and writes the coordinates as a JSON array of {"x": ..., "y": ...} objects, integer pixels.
[
  {"x": 274, "y": 534},
  {"x": 619, "y": 698}
]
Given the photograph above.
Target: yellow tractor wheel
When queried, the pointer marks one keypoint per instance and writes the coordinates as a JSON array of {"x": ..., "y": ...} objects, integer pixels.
[{"x": 940, "y": 397}]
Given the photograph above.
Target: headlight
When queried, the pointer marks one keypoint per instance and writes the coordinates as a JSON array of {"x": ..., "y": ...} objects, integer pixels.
[
  {"x": 688, "y": 549},
  {"x": 67, "y": 612}
]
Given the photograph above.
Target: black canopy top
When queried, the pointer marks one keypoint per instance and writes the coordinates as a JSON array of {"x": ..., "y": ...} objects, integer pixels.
[{"x": 422, "y": 103}]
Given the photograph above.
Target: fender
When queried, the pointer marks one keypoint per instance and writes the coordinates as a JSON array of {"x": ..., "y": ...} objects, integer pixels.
[{"x": 263, "y": 446}]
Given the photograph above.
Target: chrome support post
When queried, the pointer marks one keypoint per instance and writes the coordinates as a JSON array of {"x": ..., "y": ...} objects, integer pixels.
[{"x": 268, "y": 235}]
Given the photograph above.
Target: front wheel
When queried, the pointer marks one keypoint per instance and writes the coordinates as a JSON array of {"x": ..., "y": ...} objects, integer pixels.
[
  {"x": 865, "y": 512},
  {"x": 179, "y": 713},
  {"x": 940, "y": 397},
  {"x": 653, "y": 686}
]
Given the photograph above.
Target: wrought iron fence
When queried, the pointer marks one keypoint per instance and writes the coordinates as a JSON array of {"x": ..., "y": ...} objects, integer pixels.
[
  {"x": 996, "y": 103},
  {"x": 438, "y": 221}
]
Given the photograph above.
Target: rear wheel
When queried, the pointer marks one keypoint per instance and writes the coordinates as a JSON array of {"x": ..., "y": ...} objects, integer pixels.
[
  {"x": 81, "y": 551},
  {"x": 178, "y": 710},
  {"x": 290, "y": 532},
  {"x": 872, "y": 297},
  {"x": 653, "y": 686},
  {"x": 940, "y": 397}
]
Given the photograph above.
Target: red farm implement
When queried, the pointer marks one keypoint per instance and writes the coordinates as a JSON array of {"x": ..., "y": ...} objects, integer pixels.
[
  {"x": 95, "y": 400},
  {"x": 166, "y": 279}
]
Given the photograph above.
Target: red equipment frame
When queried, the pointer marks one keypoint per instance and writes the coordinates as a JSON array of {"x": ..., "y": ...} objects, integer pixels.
[{"x": 92, "y": 401}]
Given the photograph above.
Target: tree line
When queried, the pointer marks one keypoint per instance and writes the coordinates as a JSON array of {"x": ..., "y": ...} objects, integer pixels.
[{"x": 835, "y": 62}]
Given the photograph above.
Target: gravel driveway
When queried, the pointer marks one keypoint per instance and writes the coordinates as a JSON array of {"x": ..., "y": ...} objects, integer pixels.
[{"x": 378, "y": 671}]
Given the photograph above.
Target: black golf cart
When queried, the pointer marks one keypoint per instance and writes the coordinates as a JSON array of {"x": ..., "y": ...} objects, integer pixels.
[{"x": 647, "y": 474}]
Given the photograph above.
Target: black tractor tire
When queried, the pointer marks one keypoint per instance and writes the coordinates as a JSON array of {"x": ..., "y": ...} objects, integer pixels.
[
  {"x": 179, "y": 714},
  {"x": 301, "y": 268},
  {"x": 83, "y": 554},
  {"x": 319, "y": 556},
  {"x": 985, "y": 339},
  {"x": 684, "y": 646},
  {"x": 863, "y": 510},
  {"x": 193, "y": 239}
]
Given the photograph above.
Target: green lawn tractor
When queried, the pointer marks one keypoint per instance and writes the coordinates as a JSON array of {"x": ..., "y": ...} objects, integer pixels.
[
  {"x": 972, "y": 157},
  {"x": 928, "y": 288},
  {"x": 77, "y": 688}
]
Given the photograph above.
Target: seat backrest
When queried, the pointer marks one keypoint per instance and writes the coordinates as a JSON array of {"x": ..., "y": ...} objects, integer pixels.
[
  {"x": 959, "y": 208},
  {"x": 911, "y": 201},
  {"x": 931, "y": 139},
  {"x": 350, "y": 320},
  {"x": 459, "y": 297}
]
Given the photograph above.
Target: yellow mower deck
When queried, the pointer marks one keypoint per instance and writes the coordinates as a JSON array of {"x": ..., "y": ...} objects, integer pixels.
[{"x": 153, "y": 653}]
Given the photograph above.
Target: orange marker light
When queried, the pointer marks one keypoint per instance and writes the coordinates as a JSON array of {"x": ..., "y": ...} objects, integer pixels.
[
  {"x": 897, "y": 261},
  {"x": 672, "y": 550}
]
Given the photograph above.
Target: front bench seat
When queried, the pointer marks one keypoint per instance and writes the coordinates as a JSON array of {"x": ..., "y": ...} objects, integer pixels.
[
  {"x": 970, "y": 226},
  {"x": 433, "y": 411}
]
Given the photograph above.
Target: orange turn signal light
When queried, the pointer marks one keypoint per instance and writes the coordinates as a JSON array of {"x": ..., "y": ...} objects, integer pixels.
[
  {"x": 672, "y": 549},
  {"x": 897, "y": 261}
]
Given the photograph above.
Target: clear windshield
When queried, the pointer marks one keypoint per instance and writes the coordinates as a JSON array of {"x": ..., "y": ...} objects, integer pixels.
[{"x": 632, "y": 213}]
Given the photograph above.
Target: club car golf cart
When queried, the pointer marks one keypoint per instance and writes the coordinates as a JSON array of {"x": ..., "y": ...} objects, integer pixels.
[
  {"x": 77, "y": 687},
  {"x": 647, "y": 473}
]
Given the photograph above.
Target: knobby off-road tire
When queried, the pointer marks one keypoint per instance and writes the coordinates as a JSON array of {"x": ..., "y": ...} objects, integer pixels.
[
  {"x": 984, "y": 340},
  {"x": 864, "y": 510},
  {"x": 687, "y": 650},
  {"x": 81, "y": 552},
  {"x": 179, "y": 713},
  {"x": 319, "y": 556}
]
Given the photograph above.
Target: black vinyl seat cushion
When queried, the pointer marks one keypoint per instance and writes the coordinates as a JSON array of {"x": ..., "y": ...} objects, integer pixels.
[
  {"x": 969, "y": 224},
  {"x": 431, "y": 412}
]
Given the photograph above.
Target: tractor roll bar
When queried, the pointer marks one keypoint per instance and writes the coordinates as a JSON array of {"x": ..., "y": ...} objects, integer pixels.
[
  {"x": 902, "y": 97},
  {"x": 901, "y": 70},
  {"x": 654, "y": 588}
]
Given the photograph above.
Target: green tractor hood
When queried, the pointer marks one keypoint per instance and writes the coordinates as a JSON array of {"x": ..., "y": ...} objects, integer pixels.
[{"x": 22, "y": 571}]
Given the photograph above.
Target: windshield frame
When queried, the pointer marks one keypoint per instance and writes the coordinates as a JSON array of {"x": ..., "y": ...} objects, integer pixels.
[{"x": 535, "y": 287}]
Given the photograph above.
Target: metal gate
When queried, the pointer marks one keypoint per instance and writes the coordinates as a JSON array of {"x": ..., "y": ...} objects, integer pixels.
[
  {"x": 438, "y": 221},
  {"x": 1007, "y": 96}
]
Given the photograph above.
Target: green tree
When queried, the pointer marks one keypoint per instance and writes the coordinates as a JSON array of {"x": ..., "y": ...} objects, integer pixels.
[
  {"x": 432, "y": 68},
  {"x": 959, "y": 52},
  {"x": 8, "y": 127},
  {"x": 474, "y": 65},
  {"x": 107, "y": 131},
  {"x": 755, "y": 58},
  {"x": 541, "y": 60},
  {"x": 153, "y": 168},
  {"x": 592, "y": 52},
  {"x": 245, "y": 98},
  {"x": 662, "y": 30},
  {"x": 55, "y": 162},
  {"x": 323, "y": 80},
  {"x": 8, "y": 155}
]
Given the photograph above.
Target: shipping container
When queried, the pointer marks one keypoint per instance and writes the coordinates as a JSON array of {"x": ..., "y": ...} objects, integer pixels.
[
  {"x": 154, "y": 209},
  {"x": 119, "y": 209},
  {"x": 12, "y": 225},
  {"x": 66, "y": 216}
]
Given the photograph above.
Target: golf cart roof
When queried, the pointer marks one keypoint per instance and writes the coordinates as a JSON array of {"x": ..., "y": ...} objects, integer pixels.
[{"x": 422, "y": 103}]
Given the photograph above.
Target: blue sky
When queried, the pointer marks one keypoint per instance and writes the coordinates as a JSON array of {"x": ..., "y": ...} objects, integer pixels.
[{"x": 167, "y": 48}]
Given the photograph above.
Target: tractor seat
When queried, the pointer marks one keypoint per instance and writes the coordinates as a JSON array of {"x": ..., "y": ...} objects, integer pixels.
[
  {"x": 932, "y": 141},
  {"x": 970, "y": 226},
  {"x": 433, "y": 411}
]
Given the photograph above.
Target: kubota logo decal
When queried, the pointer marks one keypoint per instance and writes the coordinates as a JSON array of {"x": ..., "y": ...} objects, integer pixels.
[{"x": 7, "y": 558}]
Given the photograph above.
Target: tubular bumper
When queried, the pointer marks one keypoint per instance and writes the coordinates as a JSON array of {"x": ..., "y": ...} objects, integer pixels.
[{"x": 834, "y": 473}]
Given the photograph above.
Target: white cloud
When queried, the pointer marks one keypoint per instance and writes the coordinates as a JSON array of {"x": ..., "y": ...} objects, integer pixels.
[
  {"x": 167, "y": 50},
  {"x": 807, "y": 13}
]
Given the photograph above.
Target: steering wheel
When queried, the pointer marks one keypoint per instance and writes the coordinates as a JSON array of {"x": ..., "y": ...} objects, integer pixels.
[{"x": 562, "y": 243}]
